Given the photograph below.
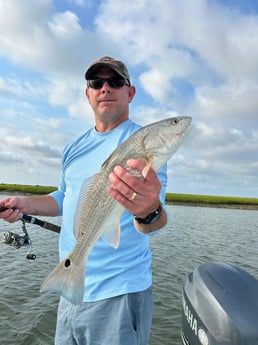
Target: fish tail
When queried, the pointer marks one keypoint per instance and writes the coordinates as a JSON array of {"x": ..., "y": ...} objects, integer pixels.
[{"x": 68, "y": 280}]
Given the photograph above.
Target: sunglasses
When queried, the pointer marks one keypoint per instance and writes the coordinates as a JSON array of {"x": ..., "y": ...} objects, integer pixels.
[{"x": 113, "y": 82}]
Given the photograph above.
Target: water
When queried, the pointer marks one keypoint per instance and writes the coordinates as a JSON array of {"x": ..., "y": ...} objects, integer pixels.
[{"x": 196, "y": 235}]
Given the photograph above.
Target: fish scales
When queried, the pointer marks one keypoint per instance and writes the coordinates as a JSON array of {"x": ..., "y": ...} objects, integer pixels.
[
  {"x": 98, "y": 214},
  {"x": 105, "y": 202}
]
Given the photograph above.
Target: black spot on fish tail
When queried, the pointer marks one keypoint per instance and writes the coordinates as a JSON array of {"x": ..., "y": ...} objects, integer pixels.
[{"x": 67, "y": 263}]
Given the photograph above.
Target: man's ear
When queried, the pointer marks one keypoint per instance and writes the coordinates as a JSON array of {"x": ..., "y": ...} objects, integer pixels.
[
  {"x": 131, "y": 93},
  {"x": 87, "y": 94}
]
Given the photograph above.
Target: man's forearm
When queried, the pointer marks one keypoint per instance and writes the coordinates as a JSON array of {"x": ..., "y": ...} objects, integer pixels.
[{"x": 44, "y": 205}]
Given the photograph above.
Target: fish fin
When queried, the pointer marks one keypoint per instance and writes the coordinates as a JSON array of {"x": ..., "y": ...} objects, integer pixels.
[
  {"x": 112, "y": 237},
  {"x": 83, "y": 195},
  {"x": 112, "y": 230},
  {"x": 106, "y": 161},
  {"x": 147, "y": 167},
  {"x": 68, "y": 280}
]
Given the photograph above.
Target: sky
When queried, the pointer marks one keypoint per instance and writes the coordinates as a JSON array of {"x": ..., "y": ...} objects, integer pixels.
[{"x": 197, "y": 58}]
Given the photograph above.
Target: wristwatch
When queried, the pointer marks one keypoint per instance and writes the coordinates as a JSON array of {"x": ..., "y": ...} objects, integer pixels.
[{"x": 151, "y": 218}]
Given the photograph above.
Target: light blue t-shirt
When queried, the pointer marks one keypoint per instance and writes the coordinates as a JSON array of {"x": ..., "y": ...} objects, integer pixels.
[{"x": 109, "y": 272}]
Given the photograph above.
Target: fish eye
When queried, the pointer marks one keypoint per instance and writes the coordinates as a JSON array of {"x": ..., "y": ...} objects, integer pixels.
[{"x": 175, "y": 121}]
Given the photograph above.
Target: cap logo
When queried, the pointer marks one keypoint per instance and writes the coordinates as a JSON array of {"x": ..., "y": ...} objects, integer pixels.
[{"x": 107, "y": 59}]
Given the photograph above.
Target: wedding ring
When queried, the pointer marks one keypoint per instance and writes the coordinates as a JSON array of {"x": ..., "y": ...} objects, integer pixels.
[{"x": 132, "y": 197}]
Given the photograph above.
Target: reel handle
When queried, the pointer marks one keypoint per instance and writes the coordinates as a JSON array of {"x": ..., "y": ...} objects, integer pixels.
[{"x": 31, "y": 256}]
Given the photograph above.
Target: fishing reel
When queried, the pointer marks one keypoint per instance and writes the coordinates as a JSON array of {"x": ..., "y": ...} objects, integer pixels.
[{"x": 17, "y": 241}]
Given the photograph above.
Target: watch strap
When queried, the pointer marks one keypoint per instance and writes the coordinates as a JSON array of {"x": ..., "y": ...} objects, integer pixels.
[{"x": 151, "y": 218}]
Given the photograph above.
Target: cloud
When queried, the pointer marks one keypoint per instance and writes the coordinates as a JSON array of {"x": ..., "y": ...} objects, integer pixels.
[
  {"x": 27, "y": 160},
  {"x": 38, "y": 148},
  {"x": 15, "y": 87},
  {"x": 5, "y": 88},
  {"x": 144, "y": 114},
  {"x": 232, "y": 102},
  {"x": 70, "y": 95},
  {"x": 198, "y": 59},
  {"x": 41, "y": 39},
  {"x": 65, "y": 26},
  {"x": 215, "y": 48}
]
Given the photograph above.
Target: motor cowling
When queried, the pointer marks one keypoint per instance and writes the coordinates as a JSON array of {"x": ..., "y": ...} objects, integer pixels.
[{"x": 219, "y": 306}]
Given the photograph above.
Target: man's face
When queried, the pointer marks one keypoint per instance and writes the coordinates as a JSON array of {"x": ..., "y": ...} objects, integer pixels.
[{"x": 108, "y": 103}]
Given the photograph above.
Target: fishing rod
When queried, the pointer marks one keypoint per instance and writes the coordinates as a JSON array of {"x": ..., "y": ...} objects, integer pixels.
[
  {"x": 17, "y": 241},
  {"x": 33, "y": 220}
]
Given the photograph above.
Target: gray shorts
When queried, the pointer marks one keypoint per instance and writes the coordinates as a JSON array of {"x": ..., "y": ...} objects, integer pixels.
[{"x": 121, "y": 320}]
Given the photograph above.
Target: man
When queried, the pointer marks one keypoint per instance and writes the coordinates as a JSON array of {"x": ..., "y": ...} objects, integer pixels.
[{"x": 118, "y": 301}]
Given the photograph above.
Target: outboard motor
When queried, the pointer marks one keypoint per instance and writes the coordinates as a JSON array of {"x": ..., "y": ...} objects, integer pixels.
[{"x": 220, "y": 306}]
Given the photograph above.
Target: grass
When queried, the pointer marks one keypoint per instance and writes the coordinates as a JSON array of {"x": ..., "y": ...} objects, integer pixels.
[
  {"x": 171, "y": 198},
  {"x": 26, "y": 189},
  {"x": 210, "y": 199}
]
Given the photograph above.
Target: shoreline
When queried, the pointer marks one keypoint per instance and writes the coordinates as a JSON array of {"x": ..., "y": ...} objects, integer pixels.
[
  {"x": 179, "y": 199},
  {"x": 229, "y": 205},
  {"x": 215, "y": 205}
]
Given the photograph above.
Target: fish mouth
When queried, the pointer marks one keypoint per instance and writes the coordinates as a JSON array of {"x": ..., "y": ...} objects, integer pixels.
[{"x": 187, "y": 129}]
